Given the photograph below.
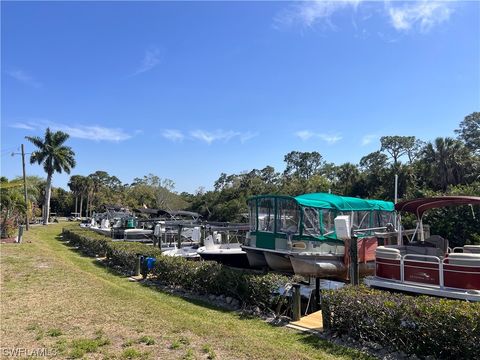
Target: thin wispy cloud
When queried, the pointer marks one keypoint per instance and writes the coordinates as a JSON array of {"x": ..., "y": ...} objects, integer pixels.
[
  {"x": 94, "y": 132},
  {"x": 305, "y": 135},
  {"x": 173, "y": 135},
  {"x": 422, "y": 14},
  {"x": 87, "y": 132},
  {"x": 308, "y": 13},
  {"x": 150, "y": 60},
  {"x": 368, "y": 139},
  {"x": 244, "y": 137},
  {"x": 211, "y": 136},
  {"x": 207, "y": 136},
  {"x": 23, "y": 126},
  {"x": 24, "y": 77}
]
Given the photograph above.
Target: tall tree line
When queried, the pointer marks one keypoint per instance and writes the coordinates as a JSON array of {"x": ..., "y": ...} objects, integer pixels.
[{"x": 445, "y": 165}]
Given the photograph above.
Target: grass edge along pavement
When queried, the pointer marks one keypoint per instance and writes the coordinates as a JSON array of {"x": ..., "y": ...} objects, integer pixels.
[{"x": 47, "y": 288}]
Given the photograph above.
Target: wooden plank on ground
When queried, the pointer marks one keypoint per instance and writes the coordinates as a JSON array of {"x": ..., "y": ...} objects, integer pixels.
[{"x": 311, "y": 323}]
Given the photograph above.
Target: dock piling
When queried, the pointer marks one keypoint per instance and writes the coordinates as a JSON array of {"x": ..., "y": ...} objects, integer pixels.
[{"x": 296, "y": 303}]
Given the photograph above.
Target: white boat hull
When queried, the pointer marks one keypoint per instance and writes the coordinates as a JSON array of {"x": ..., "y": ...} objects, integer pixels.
[
  {"x": 255, "y": 257},
  {"x": 322, "y": 266},
  {"x": 227, "y": 254},
  {"x": 278, "y": 261}
]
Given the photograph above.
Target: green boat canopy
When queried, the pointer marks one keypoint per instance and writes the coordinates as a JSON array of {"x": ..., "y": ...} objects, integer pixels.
[
  {"x": 335, "y": 202},
  {"x": 342, "y": 203},
  {"x": 312, "y": 216}
]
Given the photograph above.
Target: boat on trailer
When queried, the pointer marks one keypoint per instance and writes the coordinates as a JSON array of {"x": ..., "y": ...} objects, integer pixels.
[
  {"x": 298, "y": 235},
  {"x": 428, "y": 265}
]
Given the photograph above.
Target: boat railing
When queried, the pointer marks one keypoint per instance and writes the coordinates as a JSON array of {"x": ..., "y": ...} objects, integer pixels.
[
  {"x": 438, "y": 264},
  {"x": 420, "y": 259}
]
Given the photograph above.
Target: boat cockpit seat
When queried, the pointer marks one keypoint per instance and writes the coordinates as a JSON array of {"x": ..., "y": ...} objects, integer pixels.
[
  {"x": 438, "y": 242},
  {"x": 464, "y": 259},
  {"x": 471, "y": 249},
  {"x": 396, "y": 251},
  {"x": 299, "y": 245},
  {"x": 390, "y": 252},
  {"x": 424, "y": 249}
]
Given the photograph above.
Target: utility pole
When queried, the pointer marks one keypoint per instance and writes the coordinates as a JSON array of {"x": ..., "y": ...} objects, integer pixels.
[{"x": 25, "y": 187}]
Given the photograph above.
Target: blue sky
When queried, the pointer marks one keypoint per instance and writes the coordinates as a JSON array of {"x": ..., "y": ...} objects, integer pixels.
[{"x": 189, "y": 90}]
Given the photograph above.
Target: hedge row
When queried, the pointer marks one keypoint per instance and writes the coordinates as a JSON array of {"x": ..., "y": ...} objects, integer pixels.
[
  {"x": 421, "y": 325},
  {"x": 205, "y": 277},
  {"x": 209, "y": 277}
]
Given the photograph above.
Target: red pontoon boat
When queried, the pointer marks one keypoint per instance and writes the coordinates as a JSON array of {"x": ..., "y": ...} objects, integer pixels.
[{"x": 429, "y": 266}]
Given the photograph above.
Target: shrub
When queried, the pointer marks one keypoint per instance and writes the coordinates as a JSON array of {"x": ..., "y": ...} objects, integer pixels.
[
  {"x": 416, "y": 325},
  {"x": 214, "y": 278},
  {"x": 87, "y": 241},
  {"x": 125, "y": 254},
  {"x": 206, "y": 277}
]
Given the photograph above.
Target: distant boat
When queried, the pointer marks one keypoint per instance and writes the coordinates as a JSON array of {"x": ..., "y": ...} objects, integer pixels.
[
  {"x": 227, "y": 253},
  {"x": 186, "y": 252},
  {"x": 118, "y": 222}
]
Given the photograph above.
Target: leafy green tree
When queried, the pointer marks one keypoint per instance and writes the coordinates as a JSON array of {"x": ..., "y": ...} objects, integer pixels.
[
  {"x": 61, "y": 202},
  {"x": 12, "y": 205},
  {"x": 397, "y": 146},
  {"x": 153, "y": 192},
  {"x": 469, "y": 132},
  {"x": 302, "y": 164},
  {"x": 444, "y": 163},
  {"x": 55, "y": 157},
  {"x": 75, "y": 185},
  {"x": 348, "y": 176}
]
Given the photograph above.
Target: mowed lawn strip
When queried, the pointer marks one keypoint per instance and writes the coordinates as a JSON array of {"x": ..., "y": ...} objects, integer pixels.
[{"x": 53, "y": 297}]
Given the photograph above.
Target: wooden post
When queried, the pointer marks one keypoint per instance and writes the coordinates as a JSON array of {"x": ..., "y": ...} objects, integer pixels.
[
  {"x": 179, "y": 241},
  {"x": 20, "y": 234},
  {"x": 154, "y": 238},
  {"x": 296, "y": 303},
  {"x": 354, "y": 276},
  {"x": 160, "y": 239},
  {"x": 326, "y": 316},
  {"x": 138, "y": 265},
  {"x": 317, "y": 293}
]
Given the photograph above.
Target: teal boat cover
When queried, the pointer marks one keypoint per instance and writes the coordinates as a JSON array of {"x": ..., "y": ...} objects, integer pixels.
[
  {"x": 335, "y": 202},
  {"x": 342, "y": 203}
]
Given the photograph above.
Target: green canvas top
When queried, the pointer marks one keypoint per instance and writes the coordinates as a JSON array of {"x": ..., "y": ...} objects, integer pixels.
[{"x": 336, "y": 202}]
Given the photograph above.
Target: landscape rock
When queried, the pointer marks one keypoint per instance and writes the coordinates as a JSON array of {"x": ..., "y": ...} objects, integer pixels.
[
  {"x": 228, "y": 299},
  {"x": 373, "y": 345}
]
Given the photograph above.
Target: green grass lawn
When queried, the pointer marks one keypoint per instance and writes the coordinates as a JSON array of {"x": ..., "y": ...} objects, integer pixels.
[{"x": 54, "y": 298}]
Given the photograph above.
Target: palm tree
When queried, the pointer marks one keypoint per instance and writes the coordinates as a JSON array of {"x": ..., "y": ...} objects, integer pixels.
[
  {"x": 75, "y": 187},
  {"x": 444, "y": 159},
  {"x": 55, "y": 157}
]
